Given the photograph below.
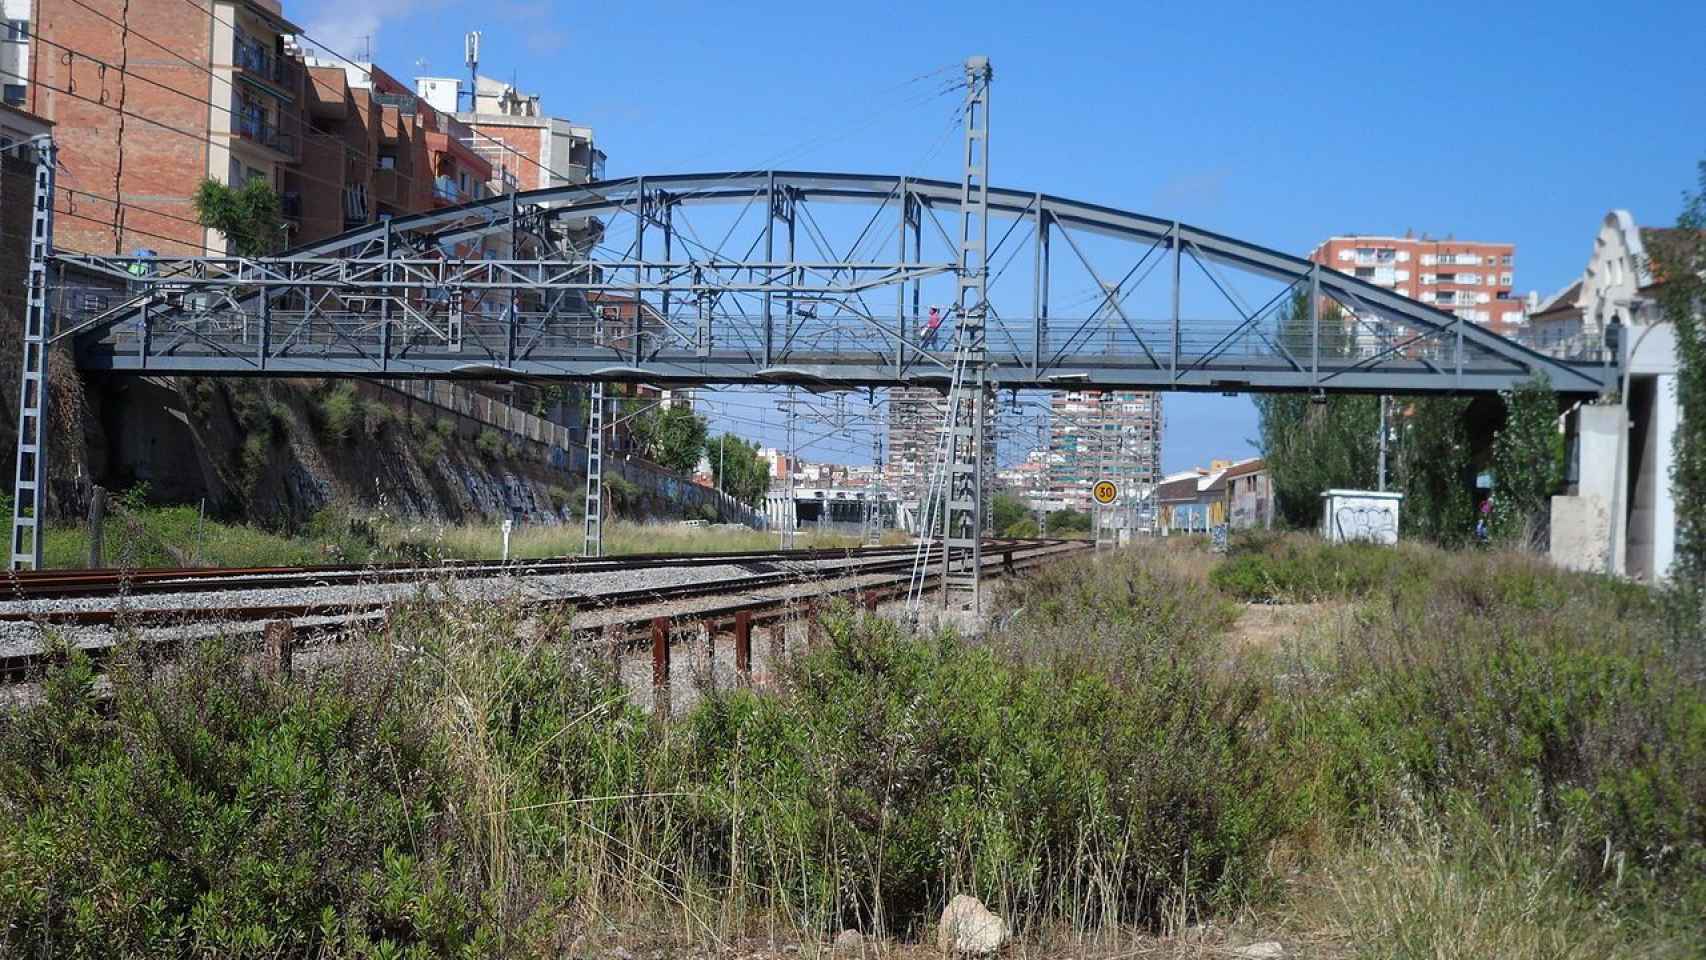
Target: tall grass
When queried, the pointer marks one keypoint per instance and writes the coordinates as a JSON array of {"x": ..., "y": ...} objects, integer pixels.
[
  {"x": 180, "y": 536},
  {"x": 1485, "y": 758},
  {"x": 485, "y": 540}
]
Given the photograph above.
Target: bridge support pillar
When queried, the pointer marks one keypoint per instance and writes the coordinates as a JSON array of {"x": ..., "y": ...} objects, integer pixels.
[{"x": 1618, "y": 514}]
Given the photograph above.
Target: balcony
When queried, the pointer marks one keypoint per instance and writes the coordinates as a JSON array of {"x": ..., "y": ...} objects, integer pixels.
[
  {"x": 328, "y": 94},
  {"x": 405, "y": 104},
  {"x": 261, "y": 133},
  {"x": 253, "y": 61},
  {"x": 445, "y": 192}
]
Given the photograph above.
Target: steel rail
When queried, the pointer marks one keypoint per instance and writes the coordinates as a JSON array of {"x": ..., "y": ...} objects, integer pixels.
[
  {"x": 857, "y": 561},
  {"x": 67, "y": 584},
  {"x": 1010, "y": 557}
]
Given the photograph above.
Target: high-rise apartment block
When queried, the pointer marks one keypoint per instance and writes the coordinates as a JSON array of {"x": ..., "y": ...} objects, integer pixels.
[
  {"x": 1102, "y": 435},
  {"x": 1471, "y": 279},
  {"x": 916, "y": 417}
]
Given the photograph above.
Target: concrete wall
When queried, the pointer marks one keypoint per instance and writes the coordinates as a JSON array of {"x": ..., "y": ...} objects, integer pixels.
[{"x": 1592, "y": 494}]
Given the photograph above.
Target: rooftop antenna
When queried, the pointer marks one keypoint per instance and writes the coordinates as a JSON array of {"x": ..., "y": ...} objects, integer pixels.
[
  {"x": 367, "y": 48},
  {"x": 471, "y": 56}
]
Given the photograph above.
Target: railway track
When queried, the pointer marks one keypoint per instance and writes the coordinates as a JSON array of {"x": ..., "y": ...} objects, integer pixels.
[
  {"x": 64, "y": 584},
  {"x": 780, "y": 584}
]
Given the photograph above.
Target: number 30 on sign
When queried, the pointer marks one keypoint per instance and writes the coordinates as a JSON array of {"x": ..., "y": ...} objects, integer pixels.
[{"x": 1105, "y": 492}]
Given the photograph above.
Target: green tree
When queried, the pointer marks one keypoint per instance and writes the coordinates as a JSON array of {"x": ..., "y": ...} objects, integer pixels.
[
  {"x": 1008, "y": 510},
  {"x": 249, "y": 216},
  {"x": 1025, "y": 529},
  {"x": 1309, "y": 446},
  {"x": 1525, "y": 470},
  {"x": 739, "y": 470},
  {"x": 1679, "y": 265},
  {"x": 1430, "y": 456},
  {"x": 672, "y": 437},
  {"x": 1068, "y": 522}
]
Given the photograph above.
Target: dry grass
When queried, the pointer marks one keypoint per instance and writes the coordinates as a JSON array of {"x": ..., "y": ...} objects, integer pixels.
[
  {"x": 484, "y": 541},
  {"x": 1124, "y": 724}
]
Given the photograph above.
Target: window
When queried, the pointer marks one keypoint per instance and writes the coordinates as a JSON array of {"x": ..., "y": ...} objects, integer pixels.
[
  {"x": 1505, "y": 260},
  {"x": 1428, "y": 278},
  {"x": 1505, "y": 279},
  {"x": 1403, "y": 256},
  {"x": 1469, "y": 278},
  {"x": 1365, "y": 273},
  {"x": 17, "y": 30},
  {"x": 14, "y": 94},
  {"x": 1429, "y": 259}
]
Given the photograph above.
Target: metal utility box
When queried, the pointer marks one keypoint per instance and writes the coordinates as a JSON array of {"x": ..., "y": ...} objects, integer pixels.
[{"x": 1366, "y": 515}]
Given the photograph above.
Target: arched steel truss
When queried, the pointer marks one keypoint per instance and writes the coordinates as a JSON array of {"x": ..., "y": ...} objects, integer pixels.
[{"x": 783, "y": 298}]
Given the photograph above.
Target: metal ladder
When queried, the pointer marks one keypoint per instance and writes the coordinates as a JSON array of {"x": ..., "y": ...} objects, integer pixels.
[
  {"x": 594, "y": 543},
  {"x": 29, "y": 502},
  {"x": 931, "y": 507}
]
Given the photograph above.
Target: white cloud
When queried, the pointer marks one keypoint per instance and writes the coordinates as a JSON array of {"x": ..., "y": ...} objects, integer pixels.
[{"x": 352, "y": 29}]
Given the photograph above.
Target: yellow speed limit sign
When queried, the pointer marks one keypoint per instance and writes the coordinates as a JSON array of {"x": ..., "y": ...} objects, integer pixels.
[{"x": 1105, "y": 492}]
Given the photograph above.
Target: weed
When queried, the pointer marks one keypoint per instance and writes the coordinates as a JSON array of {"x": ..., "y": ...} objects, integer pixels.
[{"x": 337, "y": 409}]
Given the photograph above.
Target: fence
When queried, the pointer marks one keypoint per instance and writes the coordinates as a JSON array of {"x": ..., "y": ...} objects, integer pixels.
[{"x": 563, "y": 453}]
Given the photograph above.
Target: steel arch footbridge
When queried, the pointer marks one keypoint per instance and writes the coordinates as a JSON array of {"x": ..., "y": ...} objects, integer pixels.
[
  {"x": 822, "y": 280},
  {"x": 819, "y": 279}
]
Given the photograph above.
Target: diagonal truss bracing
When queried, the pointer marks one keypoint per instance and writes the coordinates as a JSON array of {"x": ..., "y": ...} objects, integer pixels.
[{"x": 817, "y": 279}]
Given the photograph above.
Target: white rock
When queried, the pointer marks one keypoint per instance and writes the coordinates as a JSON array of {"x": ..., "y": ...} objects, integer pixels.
[
  {"x": 1266, "y": 950},
  {"x": 967, "y": 926}
]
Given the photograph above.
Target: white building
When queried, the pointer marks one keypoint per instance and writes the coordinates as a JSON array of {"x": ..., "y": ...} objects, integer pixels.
[
  {"x": 15, "y": 52},
  {"x": 1618, "y": 514}
]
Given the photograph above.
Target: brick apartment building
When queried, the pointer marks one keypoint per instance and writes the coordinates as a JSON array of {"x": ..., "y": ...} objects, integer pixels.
[
  {"x": 527, "y": 149},
  {"x": 1102, "y": 435},
  {"x": 150, "y": 97},
  {"x": 1469, "y": 278}
]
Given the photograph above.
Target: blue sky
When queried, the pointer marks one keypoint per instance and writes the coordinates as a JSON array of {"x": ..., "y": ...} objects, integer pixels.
[{"x": 1276, "y": 123}]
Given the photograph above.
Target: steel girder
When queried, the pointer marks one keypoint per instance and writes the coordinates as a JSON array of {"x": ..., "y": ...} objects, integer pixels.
[{"x": 798, "y": 304}]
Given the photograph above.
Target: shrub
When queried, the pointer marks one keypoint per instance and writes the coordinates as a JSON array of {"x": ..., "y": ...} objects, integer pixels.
[
  {"x": 214, "y": 811},
  {"x": 1298, "y": 569},
  {"x": 337, "y": 410},
  {"x": 1521, "y": 687},
  {"x": 901, "y": 769},
  {"x": 375, "y": 416},
  {"x": 1025, "y": 529},
  {"x": 490, "y": 443}
]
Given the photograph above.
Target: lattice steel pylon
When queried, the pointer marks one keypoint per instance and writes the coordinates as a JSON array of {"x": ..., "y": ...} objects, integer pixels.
[
  {"x": 29, "y": 503},
  {"x": 791, "y": 514},
  {"x": 962, "y": 541},
  {"x": 873, "y": 490}
]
